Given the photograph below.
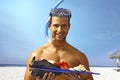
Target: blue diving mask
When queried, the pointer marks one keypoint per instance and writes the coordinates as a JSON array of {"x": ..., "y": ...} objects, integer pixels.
[{"x": 60, "y": 12}]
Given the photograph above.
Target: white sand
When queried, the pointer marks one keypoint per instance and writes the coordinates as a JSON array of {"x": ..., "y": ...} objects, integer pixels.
[
  {"x": 17, "y": 73},
  {"x": 106, "y": 73},
  {"x": 12, "y": 73}
]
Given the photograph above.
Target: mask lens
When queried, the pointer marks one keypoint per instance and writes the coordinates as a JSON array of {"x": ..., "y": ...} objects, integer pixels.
[
  {"x": 66, "y": 12},
  {"x": 59, "y": 11}
]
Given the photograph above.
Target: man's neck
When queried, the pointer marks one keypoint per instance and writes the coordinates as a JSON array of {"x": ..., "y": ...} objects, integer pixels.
[{"x": 59, "y": 44}]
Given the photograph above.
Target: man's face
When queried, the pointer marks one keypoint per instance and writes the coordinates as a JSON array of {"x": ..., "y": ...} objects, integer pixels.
[{"x": 59, "y": 27}]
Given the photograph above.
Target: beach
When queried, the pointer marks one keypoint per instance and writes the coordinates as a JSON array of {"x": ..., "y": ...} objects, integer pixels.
[
  {"x": 106, "y": 73},
  {"x": 17, "y": 73}
]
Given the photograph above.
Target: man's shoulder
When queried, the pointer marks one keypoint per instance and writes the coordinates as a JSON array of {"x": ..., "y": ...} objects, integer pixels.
[
  {"x": 75, "y": 49},
  {"x": 41, "y": 48}
]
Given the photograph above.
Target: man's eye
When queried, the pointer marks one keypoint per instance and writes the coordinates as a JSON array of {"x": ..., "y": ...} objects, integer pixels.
[
  {"x": 64, "y": 26},
  {"x": 55, "y": 26}
]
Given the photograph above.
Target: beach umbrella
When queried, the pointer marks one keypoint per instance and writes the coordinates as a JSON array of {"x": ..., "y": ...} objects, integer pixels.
[{"x": 116, "y": 56}]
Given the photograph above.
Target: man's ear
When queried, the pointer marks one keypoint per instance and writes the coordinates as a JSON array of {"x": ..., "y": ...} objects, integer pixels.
[
  {"x": 49, "y": 27},
  {"x": 69, "y": 26}
]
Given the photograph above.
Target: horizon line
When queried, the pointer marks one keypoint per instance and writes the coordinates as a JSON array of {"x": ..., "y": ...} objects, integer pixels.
[{"x": 3, "y": 65}]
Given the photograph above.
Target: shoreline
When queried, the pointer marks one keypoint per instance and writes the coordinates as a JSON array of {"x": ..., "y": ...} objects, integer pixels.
[{"x": 24, "y": 65}]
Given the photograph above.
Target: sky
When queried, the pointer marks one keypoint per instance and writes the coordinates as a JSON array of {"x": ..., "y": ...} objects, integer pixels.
[{"x": 95, "y": 26}]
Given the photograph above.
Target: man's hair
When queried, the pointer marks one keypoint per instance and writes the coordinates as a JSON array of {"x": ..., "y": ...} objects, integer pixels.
[{"x": 60, "y": 12}]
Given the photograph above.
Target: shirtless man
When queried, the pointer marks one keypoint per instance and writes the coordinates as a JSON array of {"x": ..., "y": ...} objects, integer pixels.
[{"x": 58, "y": 49}]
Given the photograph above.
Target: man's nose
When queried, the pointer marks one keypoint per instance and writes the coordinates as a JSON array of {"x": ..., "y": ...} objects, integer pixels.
[{"x": 59, "y": 29}]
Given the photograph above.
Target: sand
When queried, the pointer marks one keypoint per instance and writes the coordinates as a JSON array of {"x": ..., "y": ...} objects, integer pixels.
[
  {"x": 12, "y": 73},
  {"x": 106, "y": 73},
  {"x": 17, "y": 73}
]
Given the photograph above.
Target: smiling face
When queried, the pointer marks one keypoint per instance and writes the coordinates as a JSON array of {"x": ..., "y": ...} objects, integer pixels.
[{"x": 59, "y": 27}]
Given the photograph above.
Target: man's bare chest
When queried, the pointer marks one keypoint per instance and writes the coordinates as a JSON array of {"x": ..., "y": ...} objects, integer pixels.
[{"x": 59, "y": 56}]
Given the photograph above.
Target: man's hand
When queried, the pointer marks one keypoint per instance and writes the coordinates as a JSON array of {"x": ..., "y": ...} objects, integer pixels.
[
  {"x": 47, "y": 76},
  {"x": 74, "y": 77}
]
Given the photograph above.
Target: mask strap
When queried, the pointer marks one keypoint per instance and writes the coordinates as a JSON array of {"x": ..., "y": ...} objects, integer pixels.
[{"x": 47, "y": 22}]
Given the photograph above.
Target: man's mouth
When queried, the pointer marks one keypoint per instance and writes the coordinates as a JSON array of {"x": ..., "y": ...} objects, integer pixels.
[{"x": 60, "y": 34}]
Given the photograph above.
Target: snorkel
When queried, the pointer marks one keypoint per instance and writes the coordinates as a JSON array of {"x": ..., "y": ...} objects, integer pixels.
[{"x": 47, "y": 22}]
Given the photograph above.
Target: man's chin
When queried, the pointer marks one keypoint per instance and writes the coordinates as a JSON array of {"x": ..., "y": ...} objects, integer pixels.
[{"x": 59, "y": 39}]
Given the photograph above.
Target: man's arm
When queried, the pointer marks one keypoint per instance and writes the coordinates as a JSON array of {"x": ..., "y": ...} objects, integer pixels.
[
  {"x": 28, "y": 75},
  {"x": 86, "y": 65}
]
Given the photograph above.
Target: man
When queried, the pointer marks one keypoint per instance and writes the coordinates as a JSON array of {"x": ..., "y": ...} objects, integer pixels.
[{"x": 58, "y": 49}]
